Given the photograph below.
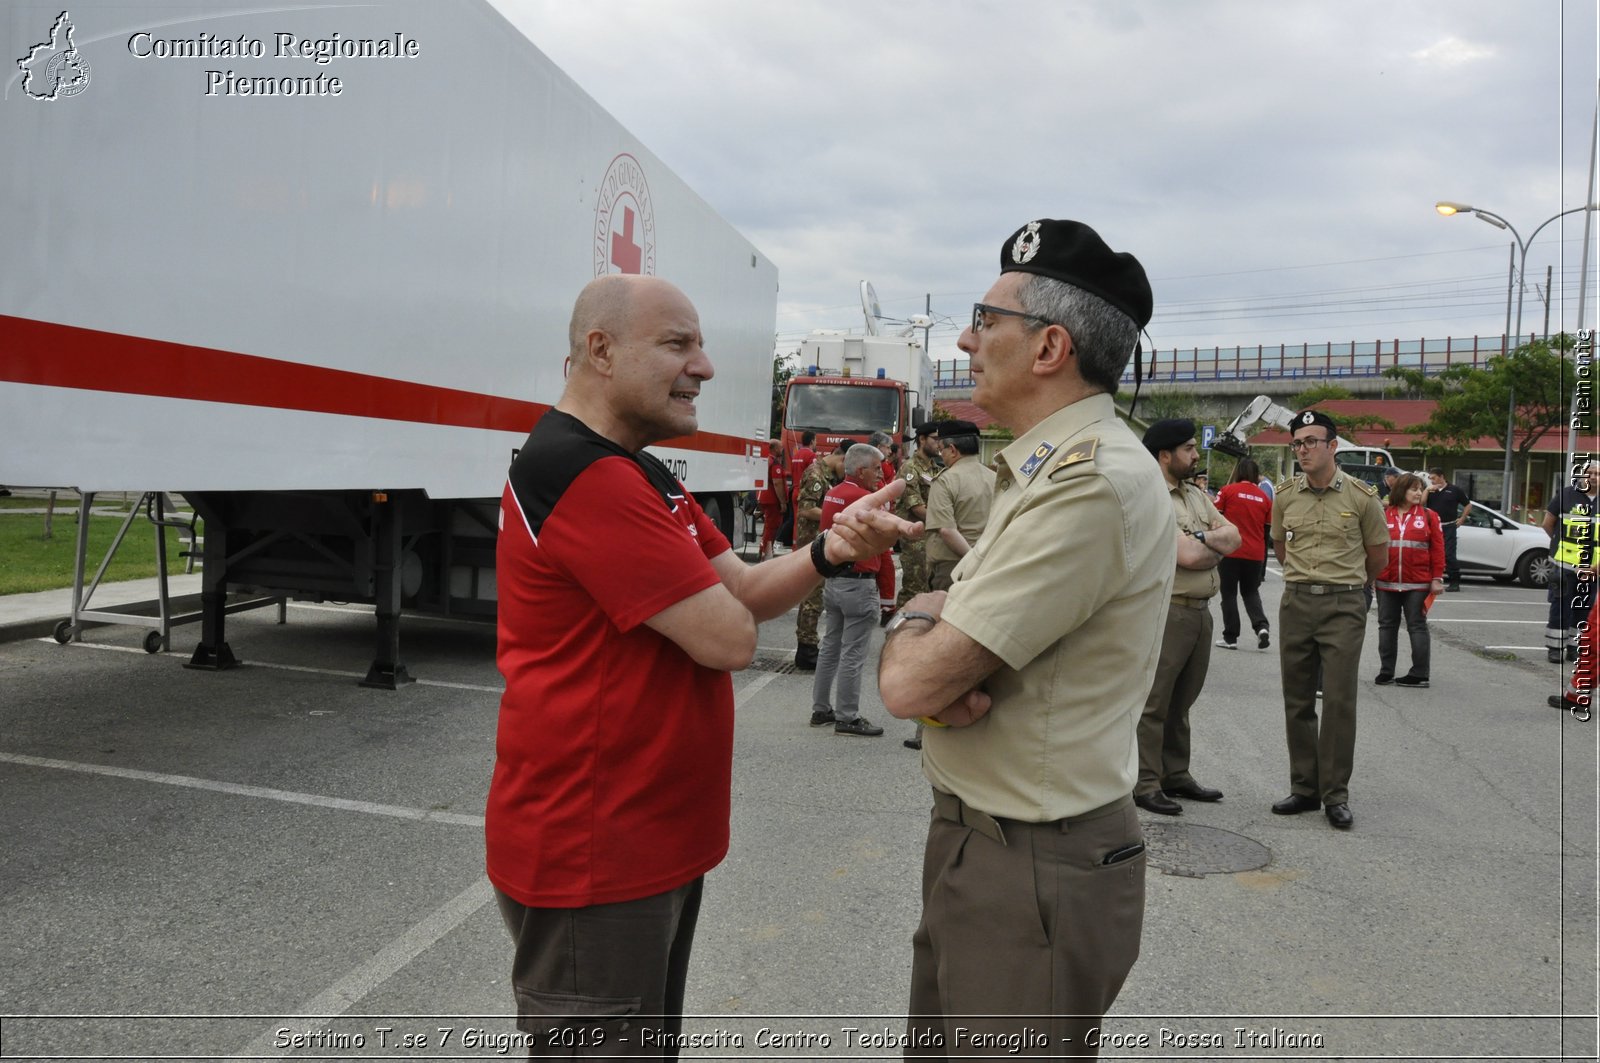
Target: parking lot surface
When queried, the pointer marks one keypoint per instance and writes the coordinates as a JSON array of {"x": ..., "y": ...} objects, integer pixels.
[{"x": 273, "y": 862}]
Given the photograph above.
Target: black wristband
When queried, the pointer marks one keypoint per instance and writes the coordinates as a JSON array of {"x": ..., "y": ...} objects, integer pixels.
[{"x": 819, "y": 559}]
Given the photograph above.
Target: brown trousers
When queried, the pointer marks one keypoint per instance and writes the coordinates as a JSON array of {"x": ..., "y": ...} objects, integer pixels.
[
  {"x": 1024, "y": 941},
  {"x": 1180, "y": 674},
  {"x": 1324, "y": 630},
  {"x": 605, "y": 980}
]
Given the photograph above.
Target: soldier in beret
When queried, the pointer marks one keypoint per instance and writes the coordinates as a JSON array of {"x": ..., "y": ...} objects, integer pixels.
[
  {"x": 958, "y": 502},
  {"x": 1032, "y": 670},
  {"x": 1204, "y": 538},
  {"x": 1329, "y": 535}
]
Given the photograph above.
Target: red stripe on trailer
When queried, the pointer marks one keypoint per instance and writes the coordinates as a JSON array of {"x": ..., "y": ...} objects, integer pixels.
[{"x": 65, "y": 356}]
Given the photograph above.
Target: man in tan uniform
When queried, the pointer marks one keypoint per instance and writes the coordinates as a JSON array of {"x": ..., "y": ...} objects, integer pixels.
[
  {"x": 958, "y": 503},
  {"x": 1328, "y": 534},
  {"x": 1034, "y": 667},
  {"x": 918, "y": 472},
  {"x": 1204, "y": 538},
  {"x": 819, "y": 476}
]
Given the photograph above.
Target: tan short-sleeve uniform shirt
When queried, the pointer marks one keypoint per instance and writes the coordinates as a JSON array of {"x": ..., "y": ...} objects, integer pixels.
[
  {"x": 1069, "y": 587},
  {"x": 1324, "y": 533},
  {"x": 960, "y": 498},
  {"x": 1195, "y": 512}
]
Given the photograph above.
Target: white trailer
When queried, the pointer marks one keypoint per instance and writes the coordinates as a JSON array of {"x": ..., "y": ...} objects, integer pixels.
[{"x": 312, "y": 268}]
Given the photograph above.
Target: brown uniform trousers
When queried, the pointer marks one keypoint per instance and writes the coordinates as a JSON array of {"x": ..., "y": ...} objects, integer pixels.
[
  {"x": 1027, "y": 920},
  {"x": 1180, "y": 675},
  {"x": 1324, "y": 629}
]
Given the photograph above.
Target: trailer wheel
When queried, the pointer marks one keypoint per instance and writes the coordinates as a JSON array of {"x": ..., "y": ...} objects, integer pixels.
[
  {"x": 152, "y": 642},
  {"x": 63, "y": 632},
  {"x": 719, "y": 507}
]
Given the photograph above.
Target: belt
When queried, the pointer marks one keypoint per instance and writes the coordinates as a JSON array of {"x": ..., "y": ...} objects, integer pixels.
[
  {"x": 856, "y": 575},
  {"x": 1191, "y": 603},
  {"x": 950, "y": 807},
  {"x": 1324, "y": 588}
]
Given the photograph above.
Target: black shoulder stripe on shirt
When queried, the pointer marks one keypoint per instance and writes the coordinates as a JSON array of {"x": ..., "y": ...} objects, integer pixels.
[{"x": 558, "y": 450}]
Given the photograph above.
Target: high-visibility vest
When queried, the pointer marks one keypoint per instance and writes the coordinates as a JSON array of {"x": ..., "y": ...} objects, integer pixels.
[{"x": 1575, "y": 546}]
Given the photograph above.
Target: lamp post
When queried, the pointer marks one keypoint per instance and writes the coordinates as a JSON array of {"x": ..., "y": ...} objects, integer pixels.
[{"x": 1448, "y": 209}]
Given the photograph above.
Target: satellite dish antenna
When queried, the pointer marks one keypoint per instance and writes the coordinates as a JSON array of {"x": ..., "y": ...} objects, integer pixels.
[{"x": 869, "y": 307}]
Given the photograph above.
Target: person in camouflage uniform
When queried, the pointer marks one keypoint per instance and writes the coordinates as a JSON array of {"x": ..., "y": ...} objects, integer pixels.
[
  {"x": 918, "y": 472},
  {"x": 821, "y": 475}
]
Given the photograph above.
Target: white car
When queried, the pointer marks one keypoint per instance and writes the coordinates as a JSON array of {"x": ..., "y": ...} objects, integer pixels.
[{"x": 1492, "y": 544}]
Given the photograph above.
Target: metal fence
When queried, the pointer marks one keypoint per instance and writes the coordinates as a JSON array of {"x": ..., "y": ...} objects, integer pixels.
[{"x": 1290, "y": 361}]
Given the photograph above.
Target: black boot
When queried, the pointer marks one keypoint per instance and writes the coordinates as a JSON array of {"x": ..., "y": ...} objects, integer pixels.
[{"x": 805, "y": 658}]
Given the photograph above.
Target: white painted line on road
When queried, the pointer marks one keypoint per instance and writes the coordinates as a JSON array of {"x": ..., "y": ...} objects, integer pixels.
[
  {"x": 349, "y": 990},
  {"x": 1453, "y": 620},
  {"x": 424, "y": 815},
  {"x": 1530, "y": 649},
  {"x": 743, "y": 695}
]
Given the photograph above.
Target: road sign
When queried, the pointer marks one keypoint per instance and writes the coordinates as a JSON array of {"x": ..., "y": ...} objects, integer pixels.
[{"x": 1207, "y": 434}]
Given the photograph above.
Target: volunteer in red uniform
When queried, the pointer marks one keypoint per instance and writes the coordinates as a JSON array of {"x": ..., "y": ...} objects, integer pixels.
[
  {"x": 799, "y": 462},
  {"x": 622, "y": 611},
  {"x": 1415, "y": 571},
  {"x": 774, "y": 498},
  {"x": 849, "y": 607},
  {"x": 1249, "y": 509}
]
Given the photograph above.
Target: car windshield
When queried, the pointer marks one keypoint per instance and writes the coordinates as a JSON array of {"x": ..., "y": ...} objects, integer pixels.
[{"x": 851, "y": 408}]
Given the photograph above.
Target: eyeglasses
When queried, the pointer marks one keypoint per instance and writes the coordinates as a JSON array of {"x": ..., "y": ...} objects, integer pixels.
[
  {"x": 980, "y": 309},
  {"x": 1307, "y": 444}
]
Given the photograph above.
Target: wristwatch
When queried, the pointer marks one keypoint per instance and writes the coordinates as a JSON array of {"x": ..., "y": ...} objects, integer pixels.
[
  {"x": 904, "y": 615},
  {"x": 819, "y": 559},
  {"x": 1201, "y": 536}
]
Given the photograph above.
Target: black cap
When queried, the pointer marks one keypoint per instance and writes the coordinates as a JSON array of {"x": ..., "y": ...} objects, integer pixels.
[
  {"x": 1170, "y": 434},
  {"x": 1071, "y": 252},
  {"x": 927, "y": 428},
  {"x": 952, "y": 429},
  {"x": 1306, "y": 418}
]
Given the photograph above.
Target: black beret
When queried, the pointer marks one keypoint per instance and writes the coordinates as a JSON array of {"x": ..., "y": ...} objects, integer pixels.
[
  {"x": 951, "y": 429},
  {"x": 1072, "y": 252},
  {"x": 927, "y": 428},
  {"x": 1306, "y": 418},
  {"x": 1170, "y": 434}
]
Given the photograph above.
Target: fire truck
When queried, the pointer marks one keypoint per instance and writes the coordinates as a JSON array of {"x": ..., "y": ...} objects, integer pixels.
[
  {"x": 311, "y": 268},
  {"x": 849, "y": 386}
]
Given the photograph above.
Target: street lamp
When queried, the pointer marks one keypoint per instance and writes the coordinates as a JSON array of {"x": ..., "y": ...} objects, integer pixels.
[{"x": 1448, "y": 209}]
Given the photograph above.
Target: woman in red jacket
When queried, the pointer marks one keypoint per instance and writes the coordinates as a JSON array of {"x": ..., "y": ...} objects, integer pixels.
[
  {"x": 1249, "y": 509},
  {"x": 1415, "y": 569}
]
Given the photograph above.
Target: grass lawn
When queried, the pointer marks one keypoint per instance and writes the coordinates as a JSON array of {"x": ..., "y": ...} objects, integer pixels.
[{"x": 29, "y": 562}]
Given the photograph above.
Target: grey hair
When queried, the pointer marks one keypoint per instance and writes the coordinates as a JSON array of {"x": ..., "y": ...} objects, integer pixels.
[
  {"x": 1102, "y": 335},
  {"x": 882, "y": 440},
  {"x": 861, "y": 456}
]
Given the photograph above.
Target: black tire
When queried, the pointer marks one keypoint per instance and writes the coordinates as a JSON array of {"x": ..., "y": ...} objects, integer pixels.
[
  {"x": 719, "y": 507},
  {"x": 1534, "y": 568},
  {"x": 63, "y": 632},
  {"x": 152, "y": 642}
]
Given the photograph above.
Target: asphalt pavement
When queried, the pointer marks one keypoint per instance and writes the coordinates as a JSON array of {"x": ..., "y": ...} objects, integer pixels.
[{"x": 274, "y": 862}]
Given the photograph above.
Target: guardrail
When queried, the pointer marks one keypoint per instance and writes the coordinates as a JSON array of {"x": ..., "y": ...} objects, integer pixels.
[{"x": 1290, "y": 361}]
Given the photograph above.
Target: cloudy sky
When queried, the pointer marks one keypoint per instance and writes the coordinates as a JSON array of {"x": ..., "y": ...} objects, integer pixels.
[{"x": 1273, "y": 164}]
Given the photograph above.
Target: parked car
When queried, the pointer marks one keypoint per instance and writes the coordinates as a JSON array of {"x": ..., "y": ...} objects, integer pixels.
[
  {"x": 1370, "y": 474},
  {"x": 1492, "y": 544}
]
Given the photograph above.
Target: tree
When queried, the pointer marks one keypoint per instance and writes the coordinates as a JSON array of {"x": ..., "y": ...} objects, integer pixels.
[
  {"x": 785, "y": 364},
  {"x": 1471, "y": 402}
]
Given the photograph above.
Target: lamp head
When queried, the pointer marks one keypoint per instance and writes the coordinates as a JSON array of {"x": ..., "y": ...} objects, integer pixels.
[{"x": 1447, "y": 208}]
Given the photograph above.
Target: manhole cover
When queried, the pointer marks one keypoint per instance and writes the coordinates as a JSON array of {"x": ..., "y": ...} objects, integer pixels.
[
  {"x": 782, "y": 663},
  {"x": 1194, "y": 851}
]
